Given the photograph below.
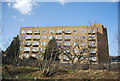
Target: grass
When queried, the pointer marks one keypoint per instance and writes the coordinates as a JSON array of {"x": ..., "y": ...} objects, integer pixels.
[
  {"x": 21, "y": 72},
  {"x": 18, "y": 72}
]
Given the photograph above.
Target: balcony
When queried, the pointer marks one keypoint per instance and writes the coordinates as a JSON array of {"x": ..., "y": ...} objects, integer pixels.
[
  {"x": 93, "y": 51},
  {"x": 36, "y": 38},
  {"x": 76, "y": 51},
  {"x": 59, "y": 43},
  {"x": 67, "y": 38},
  {"x": 91, "y": 38},
  {"x": 93, "y": 59},
  {"x": 67, "y": 44},
  {"x": 26, "y": 50},
  {"x": 92, "y": 45},
  {"x": 58, "y": 32},
  {"x": 23, "y": 31},
  {"x": 25, "y": 55},
  {"x": 59, "y": 38},
  {"x": 35, "y": 44},
  {"x": 29, "y": 32},
  {"x": 34, "y": 50},
  {"x": 50, "y": 37},
  {"x": 28, "y": 37},
  {"x": 34, "y": 55},
  {"x": 37, "y": 32},
  {"x": 67, "y": 32},
  {"x": 91, "y": 32},
  {"x": 28, "y": 44},
  {"x": 51, "y": 31}
]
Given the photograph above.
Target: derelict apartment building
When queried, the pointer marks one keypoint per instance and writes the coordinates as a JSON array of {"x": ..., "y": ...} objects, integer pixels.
[{"x": 35, "y": 39}]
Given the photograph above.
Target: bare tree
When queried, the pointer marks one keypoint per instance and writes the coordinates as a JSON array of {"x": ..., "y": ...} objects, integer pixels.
[
  {"x": 50, "y": 57},
  {"x": 83, "y": 46}
]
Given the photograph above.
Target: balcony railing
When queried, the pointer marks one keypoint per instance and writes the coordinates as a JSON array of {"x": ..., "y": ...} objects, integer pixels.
[
  {"x": 34, "y": 51},
  {"x": 91, "y": 38},
  {"x": 36, "y": 38},
  {"x": 66, "y": 45},
  {"x": 37, "y": 32},
  {"x": 58, "y": 37},
  {"x": 29, "y": 33},
  {"x": 93, "y": 51},
  {"x": 67, "y": 32},
  {"x": 59, "y": 32},
  {"x": 92, "y": 32},
  {"x": 28, "y": 38},
  {"x": 67, "y": 38},
  {"x": 92, "y": 46}
]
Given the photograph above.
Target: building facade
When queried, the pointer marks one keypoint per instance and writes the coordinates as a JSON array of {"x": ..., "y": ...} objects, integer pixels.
[{"x": 33, "y": 41}]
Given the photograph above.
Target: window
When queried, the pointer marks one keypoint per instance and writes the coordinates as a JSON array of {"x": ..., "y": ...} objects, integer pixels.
[
  {"x": 29, "y": 31},
  {"x": 67, "y": 44},
  {"x": 91, "y": 37},
  {"x": 28, "y": 37},
  {"x": 35, "y": 43},
  {"x": 93, "y": 58},
  {"x": 67, "y": 31},
  {"x": 75, "y": 37},
  {"x": 26, "y": 49},
  {"x": 92, "y": 51},
  {"x": 65, "y": 58},
  {"x": 37, "y": 31},
  {"x": 83, "y": 44},
  {"x": 91, "y": 31},
  {"x": 82, "y": 58},
  {"x": 58, "y": 43},
  {"x": 97, "y": 29},
  {"x": 67, "y": 51},
  {"x": 83, "y": 31},
  {"x": 92, "y": 43},
  {"x": 36, "y": 37},
  {"x": 34, "y": 49},
  {"x": 22, "y": 37},
  {"x": 50, "y": 37},
  {"x": 22, "y": 31},
  {"x": 58, "y": 31},
  {"x": 21, "y": 49},
  {"x": 83, "y": 50},
  {"x": 34, "y": 55},
  {"x": 41, "y": 49},
  {"x": 75, "y": 31},
  {"x": 44, "y": 31},
  {"x": 74, "y": 43},
  {"x": 76, "y": 51},
  {"x": 83, "y": 37},
  {"x": 44, "y": 37},
  {"x": 43, "y": 43},
  {"x": 28, "y": 43},
  {"x": 59, "y": 37},
  {"x": 26, "y": 55},
  {"x": 51, "y": 31},
  {"x": 67, "y": 37}
]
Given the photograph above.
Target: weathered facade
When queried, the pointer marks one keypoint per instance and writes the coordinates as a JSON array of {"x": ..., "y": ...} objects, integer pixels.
[{"x": 34, "y": 40}]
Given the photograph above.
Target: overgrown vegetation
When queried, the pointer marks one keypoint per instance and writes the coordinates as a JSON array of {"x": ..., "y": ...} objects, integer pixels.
[
  {"x": 50, "y": 67},
  {"x": 52, "y": 51},
  {"x": 36, "y": 73}
]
